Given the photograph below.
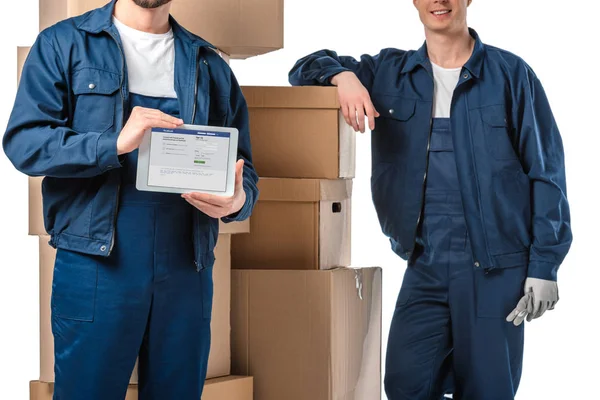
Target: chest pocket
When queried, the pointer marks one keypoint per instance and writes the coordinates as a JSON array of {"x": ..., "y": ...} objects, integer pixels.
[
  {"x": 96, "y": 95},
  {"x": 393, "y": 127},
  {"x": 394, "y": 107},
  {"x": 497, "y": 134}
]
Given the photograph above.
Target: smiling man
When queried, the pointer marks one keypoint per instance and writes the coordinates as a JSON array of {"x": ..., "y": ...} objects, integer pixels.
[
  {"x": 468, "y": 181},
  {"x": 133, "y": 270}
]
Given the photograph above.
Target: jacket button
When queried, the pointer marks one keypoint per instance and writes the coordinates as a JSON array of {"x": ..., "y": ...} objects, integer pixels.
[
  {"x": 477, "y": 264},
  {"x": 103, "y": 248},
  {"x": 465, "y": 76},
  {"x": 205, "y": 62},
  {"x": 92, "y": 86},
  {"x": 391, "y": 110}
]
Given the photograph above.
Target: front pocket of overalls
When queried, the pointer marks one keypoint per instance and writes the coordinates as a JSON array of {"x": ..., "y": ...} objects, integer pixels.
[
  {"x": 497, "y": 134},
  {"x": 499, "y": 290},
  {"x": 96, "y": 93},
  {"x": 207, "y": 287},
  {"x": 74, "y": 286}
]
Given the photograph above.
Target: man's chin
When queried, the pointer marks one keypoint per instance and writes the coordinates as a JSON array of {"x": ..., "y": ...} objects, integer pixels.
[{"x": 151, "y": 3}]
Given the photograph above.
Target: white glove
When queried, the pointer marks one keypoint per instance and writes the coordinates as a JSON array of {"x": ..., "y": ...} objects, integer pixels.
[{"x": 540, "y": 295}]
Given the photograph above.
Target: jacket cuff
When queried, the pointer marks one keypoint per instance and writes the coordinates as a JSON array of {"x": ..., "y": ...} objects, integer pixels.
[
  {"x": 106, "y": 152},
  {"x": 328, "y": 73},
  {"x": 542, "y": 270},
  {"x": 244, "y": 212}
]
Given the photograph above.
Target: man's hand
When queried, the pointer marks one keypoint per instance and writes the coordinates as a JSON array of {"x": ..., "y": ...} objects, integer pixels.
[
  {"x": 540, "y": 295},
  {"x": 219, "y": 206},
  {"x": 355, "y": 101},
  {"x": 140, "y": 120}
]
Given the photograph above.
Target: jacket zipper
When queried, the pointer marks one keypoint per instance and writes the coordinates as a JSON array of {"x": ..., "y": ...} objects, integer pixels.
[
  {"x": 114, "y": 227},
  {"x": 485, "y": 237},
  {"x": 196, "y": 228},
  {"x": 196, "y": 86},
  {"x": 424, "y": 186}
]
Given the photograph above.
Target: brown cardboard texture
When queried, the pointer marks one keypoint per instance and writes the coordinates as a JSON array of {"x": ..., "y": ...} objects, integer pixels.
[
  {"x": 229, "y": 388},
  {"x": 308, "y": 334},
  {"x": 297, "y": 224},
  {"x": 299, "y": 132},
  {"x": 226, "y": 388},
  {"x": 219, "y": 361},
  {"x": 240, "y": 28},
  {"x": 36, "y": 219},
  {"x": 22, "y": 53}
]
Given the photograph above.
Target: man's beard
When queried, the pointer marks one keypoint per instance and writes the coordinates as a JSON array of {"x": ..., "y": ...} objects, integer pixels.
[{"x": 151, "y": 3}]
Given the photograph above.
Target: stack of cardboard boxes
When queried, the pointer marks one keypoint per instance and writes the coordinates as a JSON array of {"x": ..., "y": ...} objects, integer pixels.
[
  {"x": 303, "y": 325},
  {"x": 239, "y": 30}
]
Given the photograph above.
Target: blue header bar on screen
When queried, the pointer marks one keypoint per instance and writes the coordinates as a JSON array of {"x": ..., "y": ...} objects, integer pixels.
[{"x": 192, "y": 132}]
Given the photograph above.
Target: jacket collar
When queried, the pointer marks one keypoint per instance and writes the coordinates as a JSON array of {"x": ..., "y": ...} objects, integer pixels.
[
  {"x": 100, "y": 19},
  {"x": 473, "y": 65}
]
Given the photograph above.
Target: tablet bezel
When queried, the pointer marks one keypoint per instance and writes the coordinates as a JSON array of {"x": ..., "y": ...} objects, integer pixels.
[{"x": 143, "y": 164}]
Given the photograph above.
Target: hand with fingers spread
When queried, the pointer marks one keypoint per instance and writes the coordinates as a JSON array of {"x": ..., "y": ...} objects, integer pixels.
[
  {"x": 140, "y": 120},
  {"x": 540, "y": 296},
  {"x": 355, "y": 101},
  {"x": 220, "y": 206}
]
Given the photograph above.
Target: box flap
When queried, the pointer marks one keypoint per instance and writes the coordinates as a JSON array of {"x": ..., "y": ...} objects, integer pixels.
[
  {"x": 304, "y": 190},
  {"x": 291, "y": 97}
]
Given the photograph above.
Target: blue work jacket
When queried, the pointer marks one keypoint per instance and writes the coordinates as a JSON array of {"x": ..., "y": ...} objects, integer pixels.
[
  {"x": 70, "y": 107},
  {"x": 509, "y": 152}
]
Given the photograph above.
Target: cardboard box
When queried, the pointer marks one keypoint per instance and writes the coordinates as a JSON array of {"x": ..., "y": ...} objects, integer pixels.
[
  {"x": 226, "y": 388},
  {"x": 297, "y": 224},
  {"x": 36, "y": 218},
  {"x": 240, "y": 28},
  {"x": 308, "y": 334},
  {"x": 229, "y": 388},
  {"x": 219, "y": 361},
  {"x": 299, "y": 132}
]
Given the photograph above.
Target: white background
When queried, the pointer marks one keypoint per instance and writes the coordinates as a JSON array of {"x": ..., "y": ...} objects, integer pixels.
[{"x": 558, "y": 39}]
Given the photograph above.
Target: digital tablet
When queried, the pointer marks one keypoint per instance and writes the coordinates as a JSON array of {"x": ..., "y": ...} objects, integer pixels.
[{"x": 189, "y": 158}]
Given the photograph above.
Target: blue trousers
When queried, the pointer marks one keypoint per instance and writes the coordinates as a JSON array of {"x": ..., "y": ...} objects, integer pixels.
[
  {"x": 448, "y": 333},
  {"x": 146, "y": 298}
]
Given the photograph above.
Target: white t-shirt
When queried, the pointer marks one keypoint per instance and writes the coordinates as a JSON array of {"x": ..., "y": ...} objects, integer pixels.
[
  {"x": 150, "y": 61},
  {"x": 445, "y": 82}
]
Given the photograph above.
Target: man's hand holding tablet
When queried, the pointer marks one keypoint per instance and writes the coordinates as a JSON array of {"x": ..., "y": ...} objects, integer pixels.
[
  {"x": 137, "y": 126},
  {"x": 219, "y": 206}
]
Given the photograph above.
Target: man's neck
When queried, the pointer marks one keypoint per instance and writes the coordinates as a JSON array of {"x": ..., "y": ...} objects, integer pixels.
[
  {"x": 155, "y": 20},
  {"x": 449, "y": 50}
]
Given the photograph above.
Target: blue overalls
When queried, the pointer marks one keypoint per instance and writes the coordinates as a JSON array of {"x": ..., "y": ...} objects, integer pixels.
[
  {"x": 448, "y": 333},
  {"x": 146, "y": 298}
]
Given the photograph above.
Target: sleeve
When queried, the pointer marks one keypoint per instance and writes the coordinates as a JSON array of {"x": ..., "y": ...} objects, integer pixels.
[
  {"x": 544, "y": 162},
  {"x": 318, "y": 68},
  {"x": 239, "y": 119},
  {"x": 38, "y": 140}
]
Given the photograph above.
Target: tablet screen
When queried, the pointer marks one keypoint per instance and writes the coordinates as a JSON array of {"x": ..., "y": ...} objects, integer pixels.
[{"x": 189, "y": 159}]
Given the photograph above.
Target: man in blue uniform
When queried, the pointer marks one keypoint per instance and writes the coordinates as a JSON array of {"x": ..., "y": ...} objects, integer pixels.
[
  {"x": 133, "y": 271},
  {"x": 468, "y": 182}
]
